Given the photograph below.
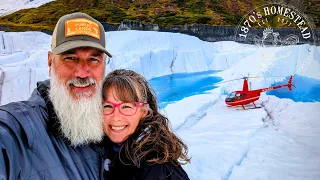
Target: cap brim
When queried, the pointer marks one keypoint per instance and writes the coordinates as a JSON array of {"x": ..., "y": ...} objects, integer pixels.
[{"x": 77, "y": 44}]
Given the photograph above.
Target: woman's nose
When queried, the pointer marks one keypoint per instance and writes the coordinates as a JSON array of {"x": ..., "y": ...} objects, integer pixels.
[{"x": 116, "y": 114}]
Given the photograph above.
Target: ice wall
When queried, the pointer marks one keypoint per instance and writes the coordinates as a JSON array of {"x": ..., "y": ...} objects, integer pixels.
[{"x": 23, "y": 58}]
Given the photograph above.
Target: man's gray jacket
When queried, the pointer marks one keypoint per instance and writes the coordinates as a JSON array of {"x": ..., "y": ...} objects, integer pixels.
[{"x": 31, "y": 146}]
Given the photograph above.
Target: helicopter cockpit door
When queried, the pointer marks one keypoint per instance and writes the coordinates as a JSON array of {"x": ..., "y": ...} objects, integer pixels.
[{"x": 230, "y": 97}]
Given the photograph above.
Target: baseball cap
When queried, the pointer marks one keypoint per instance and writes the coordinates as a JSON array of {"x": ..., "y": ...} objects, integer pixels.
[{"x": 78, "y": 30}]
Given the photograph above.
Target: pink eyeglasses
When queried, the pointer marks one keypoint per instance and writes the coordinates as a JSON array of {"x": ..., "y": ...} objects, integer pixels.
[{"x": 125, "y": 108}]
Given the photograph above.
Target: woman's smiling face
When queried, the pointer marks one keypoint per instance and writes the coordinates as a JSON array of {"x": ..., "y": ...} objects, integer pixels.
[{"x": 117, "y": 126}]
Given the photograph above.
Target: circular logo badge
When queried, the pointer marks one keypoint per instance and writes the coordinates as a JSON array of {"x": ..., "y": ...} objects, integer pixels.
[{"x": 276, "y": 25}]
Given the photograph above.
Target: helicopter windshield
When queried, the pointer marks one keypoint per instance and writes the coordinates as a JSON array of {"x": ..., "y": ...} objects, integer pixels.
[{"x": 231, "y": 95}]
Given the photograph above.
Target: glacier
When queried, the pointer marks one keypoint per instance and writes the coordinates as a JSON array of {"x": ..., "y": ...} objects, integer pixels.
[{"x": 278, "y": 141}]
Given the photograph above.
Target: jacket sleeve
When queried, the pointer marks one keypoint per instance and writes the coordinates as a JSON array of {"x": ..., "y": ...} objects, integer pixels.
[
  {"x": 166, "y": 171},
  {"x": 3, "y": 161},
  {"x": 9, "y": 151}
]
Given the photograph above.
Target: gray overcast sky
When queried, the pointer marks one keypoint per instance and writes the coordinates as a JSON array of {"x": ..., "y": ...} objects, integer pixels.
[{"x": 4, "y": 1}]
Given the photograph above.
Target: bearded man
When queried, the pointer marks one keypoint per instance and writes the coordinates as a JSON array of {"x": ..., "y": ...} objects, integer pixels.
[{"x": 56, "y": 133}]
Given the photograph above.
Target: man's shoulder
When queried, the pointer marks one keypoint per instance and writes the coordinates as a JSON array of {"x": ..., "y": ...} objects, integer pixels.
[
  {"x": 31, "y": 105},
  {"x": 23, "y": 108},
  {"x": 24, "y": 116}
]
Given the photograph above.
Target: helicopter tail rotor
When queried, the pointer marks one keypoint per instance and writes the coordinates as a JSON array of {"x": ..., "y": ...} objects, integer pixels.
[{"x": 290, "y": 84}]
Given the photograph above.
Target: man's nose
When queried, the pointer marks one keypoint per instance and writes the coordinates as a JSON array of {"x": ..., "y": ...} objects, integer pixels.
[{"x": 82, "y": 69}]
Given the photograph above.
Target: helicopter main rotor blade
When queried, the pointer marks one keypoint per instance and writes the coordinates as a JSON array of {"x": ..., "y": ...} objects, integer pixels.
[
  {"x": 265, "y": 76},
  {"x": 227, "y": 81},
  {"x": 221, "y": 83},
  {"x": 242, "y": 78}
]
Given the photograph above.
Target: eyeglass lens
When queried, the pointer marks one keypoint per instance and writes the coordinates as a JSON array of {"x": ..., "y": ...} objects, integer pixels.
[{"x": 124, "y": 108}]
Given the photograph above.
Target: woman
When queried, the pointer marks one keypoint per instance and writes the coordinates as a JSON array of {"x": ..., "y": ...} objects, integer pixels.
[{"x": 143, "y": 146}]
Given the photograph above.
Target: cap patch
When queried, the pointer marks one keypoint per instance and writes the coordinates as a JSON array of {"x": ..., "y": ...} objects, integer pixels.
[{"x": 82, "y": 26}]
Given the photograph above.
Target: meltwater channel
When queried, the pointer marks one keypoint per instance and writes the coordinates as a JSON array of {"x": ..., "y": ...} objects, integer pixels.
[{"x": 174, "y": 87}]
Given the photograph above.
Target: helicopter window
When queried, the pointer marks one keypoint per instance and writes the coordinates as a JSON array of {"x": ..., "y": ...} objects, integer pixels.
[
  {"x": 232, "y": 95},
  {"x": 243, "y": 95},
  {"x": 238, "y": 96}
]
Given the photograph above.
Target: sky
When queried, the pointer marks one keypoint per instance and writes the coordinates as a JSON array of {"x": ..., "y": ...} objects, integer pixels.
[
  {"x": 10, "y": 6},
  {"x": 4, "y": 2}
]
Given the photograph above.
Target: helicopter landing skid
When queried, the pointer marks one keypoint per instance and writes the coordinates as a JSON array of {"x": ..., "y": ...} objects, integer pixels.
[{"x": 249, "y": 108}]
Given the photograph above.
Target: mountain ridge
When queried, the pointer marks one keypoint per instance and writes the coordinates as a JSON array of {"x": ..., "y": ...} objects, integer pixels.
[{"x": 164, "y": 13}]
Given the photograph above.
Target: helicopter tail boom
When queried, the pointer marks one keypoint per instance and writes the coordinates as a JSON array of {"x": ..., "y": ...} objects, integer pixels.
[{"x": 289, "y": 85}]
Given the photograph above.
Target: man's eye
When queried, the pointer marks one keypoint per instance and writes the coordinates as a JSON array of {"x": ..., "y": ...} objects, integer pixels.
[
  {"x": 94, "y": 59},
  {"x": 70, "y": 58}
]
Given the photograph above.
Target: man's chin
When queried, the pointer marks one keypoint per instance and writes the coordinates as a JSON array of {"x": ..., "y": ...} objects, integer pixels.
[{"x": 82, "y": 93}]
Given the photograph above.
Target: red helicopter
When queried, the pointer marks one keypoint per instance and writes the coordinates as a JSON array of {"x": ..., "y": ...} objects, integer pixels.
[{"x": 246, "y": 96}]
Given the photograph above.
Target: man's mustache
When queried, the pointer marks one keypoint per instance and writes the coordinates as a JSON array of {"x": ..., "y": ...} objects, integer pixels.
[{"x": 81, "y": 82}]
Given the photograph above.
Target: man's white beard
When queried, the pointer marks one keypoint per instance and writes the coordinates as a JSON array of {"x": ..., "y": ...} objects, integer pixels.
[{"x": 81, "y": 120}]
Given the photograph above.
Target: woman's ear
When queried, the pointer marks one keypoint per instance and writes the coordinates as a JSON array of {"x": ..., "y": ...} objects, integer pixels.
[{"x": 145, "y": 110}]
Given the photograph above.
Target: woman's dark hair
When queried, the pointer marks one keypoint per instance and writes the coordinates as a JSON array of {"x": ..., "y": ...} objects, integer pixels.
[{"x": 153, "y": 134}]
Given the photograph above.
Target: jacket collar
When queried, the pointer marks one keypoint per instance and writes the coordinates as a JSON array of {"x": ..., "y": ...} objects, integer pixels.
[{"x": 53, "y": 121}]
